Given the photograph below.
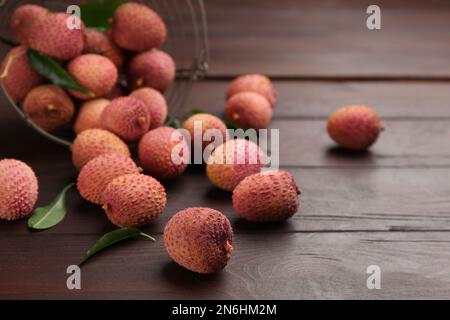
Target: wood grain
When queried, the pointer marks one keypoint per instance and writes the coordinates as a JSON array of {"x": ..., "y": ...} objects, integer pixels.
[
  {"x": 291, "y": 38},
  {"x": 273, "y": 266}
]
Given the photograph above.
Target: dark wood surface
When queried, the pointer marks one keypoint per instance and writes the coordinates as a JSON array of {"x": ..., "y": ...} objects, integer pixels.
[{"x": 389, "y": 206}]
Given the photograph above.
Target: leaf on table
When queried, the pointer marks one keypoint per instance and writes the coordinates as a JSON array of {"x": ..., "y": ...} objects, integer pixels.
[
  {"x": 51, "y": 215},
  {"x": 112, "y": 238},
  {"x": 54, "y": 72},
  {"x": 98, "y": 14}
]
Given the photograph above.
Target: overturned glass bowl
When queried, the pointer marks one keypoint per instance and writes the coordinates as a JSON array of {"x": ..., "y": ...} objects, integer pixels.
[{"x": 186, "y": 43}]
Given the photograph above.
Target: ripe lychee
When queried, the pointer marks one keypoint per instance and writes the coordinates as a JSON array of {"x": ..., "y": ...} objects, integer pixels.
[
  {"x": 49, "y": 107},
  {"x": 127, "y": 117},
  {"x": 95, "y": 176},
  {"x": 267, "y": 196},
  {"x": 136, "y": 27},
  {"x": 17, "y": 74},
  {"x": 204, "y": 122},
  {"x": 134, "y": 200},
  {"x": 18, "y": 189},
  {"x": 92, "y": 143},
  {"x": 23, "y": 19},
  {"x": 249, "y": 110},
  {"x": 153, "y": 68},
  {"x": 232, "y": 161},
  {"x": 52, "y": 36},
  {"x": 89, "y": 115},
  {"x": 199, "y": 239},
  {"x": 254, "y": 83},
  {"x": 164, "y": 153},
  {"x": 156, "y": 104},
  {"x": 354, "y": 127},
  {"x": 93, "y": 72},
  {"x": 99, "y": 43}
]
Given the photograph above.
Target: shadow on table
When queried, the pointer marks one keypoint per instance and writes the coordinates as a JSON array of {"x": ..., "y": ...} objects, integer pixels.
[{"x": 337, "y": 153}]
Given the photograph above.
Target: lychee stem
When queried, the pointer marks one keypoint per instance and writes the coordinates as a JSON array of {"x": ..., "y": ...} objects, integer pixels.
[
  {"x": 228, "y": 247},
  {"x": 51, "y": 107},
  {"x": 140, "y": 82},
  {"x": 142, "y": 121},
  {"x": 235, "y": 116},
  {"x": 299, "y": 190}
]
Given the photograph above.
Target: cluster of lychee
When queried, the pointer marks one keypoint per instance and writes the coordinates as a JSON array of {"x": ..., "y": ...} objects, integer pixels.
[
  {"x": 122, "y": 71},
  {"x": 199, "y": 239}
]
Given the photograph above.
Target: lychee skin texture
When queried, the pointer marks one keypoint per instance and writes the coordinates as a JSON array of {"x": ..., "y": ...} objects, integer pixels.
[
  {"x": 89, "y": 115},
  {"x": 155, "y": 153},
  {"x": 156, "y": 104},
  {"x": 154, "y": 68},
  {"x": 92, "y": 143},
  {"x": 254, "y": 83},
  {"x": 93, "y": 72},
  {"x": 208, "y": 122},
  {"x": 101, "y": 171},
  {"x": 99, "y": 43},
  {"x": 232, "y": 161},
  {"x": 199, "y": 239},
  {"x": 136, "y": 27},
  {"x": 127, "y": 117},
  {"x": 267, "y": 196},
  {"x": 18, "y": 189},
  {"x": 17, "y": 74},
  {"x": 354, "y": 127},
  {"x": 249, "y": 110},
  {"x": 52, "y": 37},
  {"x": 23, "y": 19},
  {"x": 49, "y": 107},
  {"x": 134, "y": 200}
]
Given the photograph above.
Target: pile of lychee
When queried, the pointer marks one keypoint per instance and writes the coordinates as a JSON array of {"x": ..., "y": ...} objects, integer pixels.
[
  {"x": 123, "y": 71},
  {"x": 198, "y": 238}
]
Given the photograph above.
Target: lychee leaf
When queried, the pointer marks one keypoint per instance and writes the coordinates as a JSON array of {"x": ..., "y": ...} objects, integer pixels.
[
  {"x": 51, "y": 215},
  {"x": 98, "y": 14},
  {"x": 173, "y": 122},
  {"x": 53, "y": 71},
  {"x": 112, "y": 238}
]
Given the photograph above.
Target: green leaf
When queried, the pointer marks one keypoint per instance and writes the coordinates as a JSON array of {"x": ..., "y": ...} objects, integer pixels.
[
  {"x": 114, "y": 237},
  {"x": 174, "y": 123},
  {"x": 197, "y": 111},
  {"x": 97, "y": 14},
  {"x": 51, "y": 215},
  {"x": 54, "y": 72}
]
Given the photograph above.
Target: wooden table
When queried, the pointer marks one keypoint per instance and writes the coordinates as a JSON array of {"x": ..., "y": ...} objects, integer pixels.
[{"x": 388, "y": 207}]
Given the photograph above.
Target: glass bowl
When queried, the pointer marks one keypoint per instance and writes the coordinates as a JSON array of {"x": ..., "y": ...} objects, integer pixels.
[{"x": 186, "y": 42}]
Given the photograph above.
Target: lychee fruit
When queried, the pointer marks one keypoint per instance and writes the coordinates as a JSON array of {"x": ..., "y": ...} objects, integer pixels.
[
  {"x": 17, "y": 74},
  {"x": 267, "y": 196},
  {"x": 127, "y": 117},
  {"x": 134, "y": 200},
  {"x": 164, "y": 153},
  {"x": 23, "y": 19},
  {"x": 354, "y": 127},
  {"x": 136, "y": 27},
  {"x": 249, "y": 110},
  {"x": 198, "y": 124},
  {"x": 99, "y": 43},
  {"x": 52, "y": 36},
  {"x": 199, "y": 239},
  {"x": 49, "y": 107},
  {"x": 89, "y": 115},
  {"x": 156, "y": 104},
  {"x": 153, "y": 68},
  {"x": 95, "y": 176},
  {"x": 92, "y": 143},
  {"x": 18, "y": 189},
  {"x": 254, "y": 83},
  {"x": 93, "y": 72},
  {"x": 232, "y": 161}
]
